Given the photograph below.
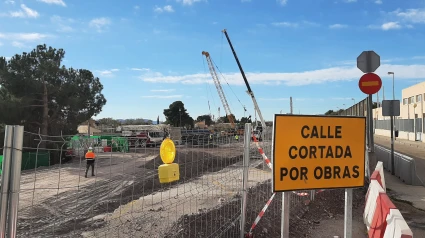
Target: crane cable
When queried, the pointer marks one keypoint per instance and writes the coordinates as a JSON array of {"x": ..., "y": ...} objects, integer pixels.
[{"x": 230, "y": 87}]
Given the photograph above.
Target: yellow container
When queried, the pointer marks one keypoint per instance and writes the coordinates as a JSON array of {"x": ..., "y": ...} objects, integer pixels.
[{"x": 168, "y": 173}]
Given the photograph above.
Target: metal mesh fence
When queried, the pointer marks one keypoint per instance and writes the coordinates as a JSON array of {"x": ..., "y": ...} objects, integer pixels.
[
  {"x": 125, "y": 197},
  {"x": 400, "y": 124}
]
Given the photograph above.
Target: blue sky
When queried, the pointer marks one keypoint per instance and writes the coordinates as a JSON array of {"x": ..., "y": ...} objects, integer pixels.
[{"x": 148, "y": 53}]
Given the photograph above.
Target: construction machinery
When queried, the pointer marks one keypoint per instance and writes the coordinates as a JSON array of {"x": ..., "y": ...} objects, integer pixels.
[
  {"x": 250, "y": 92},
  {"x": 220, "y": 90}
]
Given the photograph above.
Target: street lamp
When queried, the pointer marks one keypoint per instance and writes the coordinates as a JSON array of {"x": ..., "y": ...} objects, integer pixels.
[{"x": 392, "y": 73}]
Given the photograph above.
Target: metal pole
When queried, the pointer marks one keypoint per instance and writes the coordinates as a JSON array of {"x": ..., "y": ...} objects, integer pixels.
[
  {"x": 348, "y": 217},
  {"x": 370, "y": 122},
  {"x": 394, "y": 99},
  {"x": 15, "y": 180},
  {"x": 284, "y": 227},
  {"x": 392, "y": 146},
  {"x": 393, "y": 88},
  {"x": 247, "y": 144},
  {"x": 5, "y": 177}
]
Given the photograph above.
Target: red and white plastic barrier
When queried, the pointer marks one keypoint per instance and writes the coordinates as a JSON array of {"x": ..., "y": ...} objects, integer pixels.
[
  {"x": 397, "y": 226},
  {"x": 381, "y": 216}
]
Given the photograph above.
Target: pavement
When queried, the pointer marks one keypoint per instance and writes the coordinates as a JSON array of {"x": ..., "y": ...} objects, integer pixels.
[{"x": 410, "y": 200}]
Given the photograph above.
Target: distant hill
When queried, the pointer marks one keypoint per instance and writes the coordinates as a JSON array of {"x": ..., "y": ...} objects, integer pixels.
[{"x": 145, "y": 120}]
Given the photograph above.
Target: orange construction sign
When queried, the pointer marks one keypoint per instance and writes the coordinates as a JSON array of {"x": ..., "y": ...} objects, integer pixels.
[{"x": 318, "y": 152}]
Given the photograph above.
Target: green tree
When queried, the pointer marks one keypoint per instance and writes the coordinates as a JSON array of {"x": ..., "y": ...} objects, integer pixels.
[
  {"x": 110, "y": 122},
  {"x": 245, "y": 120},
  {"x": 176, "y": 115},
  {"x": 207, "y": 118},
  {"x": 39, "y": 92},
  {"x": 225, "y": 119}
]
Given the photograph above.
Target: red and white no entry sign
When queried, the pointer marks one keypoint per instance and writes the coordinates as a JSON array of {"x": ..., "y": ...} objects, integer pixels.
[{"x": 370, "y": 83}]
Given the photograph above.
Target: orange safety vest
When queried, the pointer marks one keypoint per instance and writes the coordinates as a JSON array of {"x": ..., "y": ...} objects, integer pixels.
[{"x": 90, "y": 155}]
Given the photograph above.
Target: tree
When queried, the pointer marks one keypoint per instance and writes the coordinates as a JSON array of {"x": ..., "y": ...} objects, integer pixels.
[
  {"x": 39, "y": 92},
  {"x": 176, "y": 115},
  {"x": 109, "y": 122},
  {"x": 207, "y": 118},
  {"x": 137, "y": 121},
  {"x": 330, "y": 112},
  {"x": 245, "y": 120},
  {"x": 225, "y": 119}
]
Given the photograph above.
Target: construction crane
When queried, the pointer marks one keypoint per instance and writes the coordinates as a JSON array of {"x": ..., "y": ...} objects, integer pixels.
[
  {"x": 250, "y": 92},
  {"x": 219, "y": 89}
]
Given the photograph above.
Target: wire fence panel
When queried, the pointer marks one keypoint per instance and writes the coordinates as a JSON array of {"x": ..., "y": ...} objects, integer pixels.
[
  {"x": 125, "y": 197},
  {"x": 400, "y": 124}
]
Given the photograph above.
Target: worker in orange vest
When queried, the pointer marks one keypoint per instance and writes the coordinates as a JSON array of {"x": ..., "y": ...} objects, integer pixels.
[{"x": 90, "y": 157}]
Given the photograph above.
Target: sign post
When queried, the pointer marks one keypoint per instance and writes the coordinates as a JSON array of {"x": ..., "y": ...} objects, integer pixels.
[
  {"x": 368, "y": 62},
  {"x": 391, "y": 108},
  {"x": 318, "y": 152}
]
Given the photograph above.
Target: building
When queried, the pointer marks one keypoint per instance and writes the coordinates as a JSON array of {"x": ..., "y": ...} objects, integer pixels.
[
  {"x": 410, "y": 123},
  {"x": 83, "y": 130}
]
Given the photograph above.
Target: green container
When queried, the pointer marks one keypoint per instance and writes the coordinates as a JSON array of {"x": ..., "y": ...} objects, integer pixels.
[
  {"x": 31, "y": 160},
  {"x": 119, "y": 144}
]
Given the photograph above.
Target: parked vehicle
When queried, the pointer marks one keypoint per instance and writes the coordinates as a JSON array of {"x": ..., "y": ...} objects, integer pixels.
[{"x": 144, "y": 138}]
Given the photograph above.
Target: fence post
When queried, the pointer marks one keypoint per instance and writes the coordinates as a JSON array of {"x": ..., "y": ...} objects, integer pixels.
[
  {"x": 247, "y": 146},
  {"x": 5, "y": 176},
  {"x": 15, "y": 180}
]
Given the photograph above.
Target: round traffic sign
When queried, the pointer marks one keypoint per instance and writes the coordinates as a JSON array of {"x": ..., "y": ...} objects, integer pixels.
[{"x": 370, "y": 83}]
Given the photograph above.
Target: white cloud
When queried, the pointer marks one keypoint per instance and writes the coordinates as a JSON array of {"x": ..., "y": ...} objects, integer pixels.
[
  {"x": 378, "y": 1},
  {"x": 1, "y": 44},
  {"x": 162, "y": 90},
  {"x": 62, "y": 23},
  {"x": 18, "y": 44},
  {"x": 294, "y": 24},
  {"x": 285, "y": 24},
  {"x": 23, "y": 36},
  {"x": 100, "y": 23},
  {"x": 9, "y": 2},
  {"x": 136, "y": 7},
  {"x": 411, "y": 15},
  {"x": 350, "y": 1},
  {"x": 334, "y": 74},
  {"x": 25, "y": 12},
  {"x": 282, "y": 2},
  {"x": 188, "y": 2},
  {"x": 163, "y": 96},
  {"x": 140, "y": 69},
  {"x": 390, "y": 26},
  {"x": 55, "y": 2},
  {"x": 107, "y": 73},
  {"x": 167, "y": 8},
  {"x": 337, "y": 26}
]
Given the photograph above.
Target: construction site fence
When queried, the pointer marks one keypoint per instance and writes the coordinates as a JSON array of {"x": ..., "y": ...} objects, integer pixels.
[{"x": 224, "y": 183}]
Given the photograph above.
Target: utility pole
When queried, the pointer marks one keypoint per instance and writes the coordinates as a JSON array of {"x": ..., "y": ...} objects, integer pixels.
[{"x": 290, "y": 105}]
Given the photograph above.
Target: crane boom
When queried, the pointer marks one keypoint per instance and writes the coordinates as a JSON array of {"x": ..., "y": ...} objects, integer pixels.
[
  {"x": 250, "y": 92},
  {"x": 219, "y": 88}
]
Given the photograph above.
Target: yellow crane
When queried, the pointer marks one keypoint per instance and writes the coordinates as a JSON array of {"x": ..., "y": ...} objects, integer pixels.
[{"x": 219, "y": 89}]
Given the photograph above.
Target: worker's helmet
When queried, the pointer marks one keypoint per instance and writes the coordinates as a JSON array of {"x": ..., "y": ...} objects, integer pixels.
[{"x": 90, "y": 148}]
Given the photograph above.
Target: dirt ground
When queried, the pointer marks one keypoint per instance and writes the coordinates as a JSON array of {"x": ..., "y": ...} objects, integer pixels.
[
  {"x": 125, "y": 199},
  {"x": 321, "y": 218},
  {"x": 59, "y": 202}
]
